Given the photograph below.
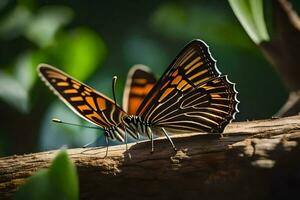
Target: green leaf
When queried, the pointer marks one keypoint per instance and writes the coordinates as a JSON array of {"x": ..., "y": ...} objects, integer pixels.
[
  {"x": 25, "y": 70},
  {"x": 258, "y": 18},
  {"x": 46, "y": 23},
  {"x": 25, "y": 67},
  {"x": 63, "y": 177},
  {"x": 80, "y": 52},
  {"x": 13, "y": 92},
  {"x": 15, "y": 87},
  {"x": 59, "y": 182},
  {"x": 36, "y": 187},
  {"x": 250, "y": 15}
]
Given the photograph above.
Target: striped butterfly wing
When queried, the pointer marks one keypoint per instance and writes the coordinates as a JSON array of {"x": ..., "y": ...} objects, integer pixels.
[
  {"x": 82, "y": 99},
  {"x": 191, "y": 96},
  {"x": 139, "y": 82}
]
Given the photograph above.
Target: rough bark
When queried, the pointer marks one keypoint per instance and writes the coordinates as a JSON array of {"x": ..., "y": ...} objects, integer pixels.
[{"x": 251, "y": 160}]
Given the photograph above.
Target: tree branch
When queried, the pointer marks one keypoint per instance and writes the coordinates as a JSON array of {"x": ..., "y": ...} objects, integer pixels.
[{"x": 244, "y": 163}]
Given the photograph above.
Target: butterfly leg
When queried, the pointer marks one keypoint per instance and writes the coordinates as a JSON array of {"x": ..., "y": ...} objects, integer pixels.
[
  {"x": 151, "y": 138},
  {"x": 107, "y": 145},
  {"x": 100, "y": 147},
  {"x": 137, "y": 141},
  {"x": 169, "y": 138},
  {"x": 92, "y": 142},
  {"x": 126, "y": 139},
  {"x": 88, "y": 144}
]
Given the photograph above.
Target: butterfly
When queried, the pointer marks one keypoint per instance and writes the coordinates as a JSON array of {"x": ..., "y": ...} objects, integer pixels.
[{"x": 191, "y": 96}]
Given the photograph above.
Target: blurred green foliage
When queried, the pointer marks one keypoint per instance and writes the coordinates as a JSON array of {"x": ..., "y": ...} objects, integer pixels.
[
  {"x": 82, "y": 49},
  {"x": 58, "y": 182},
  {"x": 96, "y": 40}
]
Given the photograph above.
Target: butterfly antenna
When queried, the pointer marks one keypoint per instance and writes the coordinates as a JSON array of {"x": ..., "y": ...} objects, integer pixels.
[
  {"x": 114, "y": 81},
  {"x": 88, "y": 144},
  {"x": 68, "y": 123}
]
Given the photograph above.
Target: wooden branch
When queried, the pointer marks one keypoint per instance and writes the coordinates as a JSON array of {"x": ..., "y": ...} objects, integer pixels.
[{"x": 255, "y": 159}]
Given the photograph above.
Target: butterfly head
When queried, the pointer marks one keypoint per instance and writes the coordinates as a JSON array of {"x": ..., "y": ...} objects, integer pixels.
[
  {"x": 132, "y": 119},
  {"x": 128, "y": 119}
]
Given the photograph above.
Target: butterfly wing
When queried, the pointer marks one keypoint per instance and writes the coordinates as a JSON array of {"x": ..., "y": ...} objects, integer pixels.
[
  {"x": 139, "y": 82},
  {"x": 191, "y": 96},
  {"x": 83, "y": 100}
]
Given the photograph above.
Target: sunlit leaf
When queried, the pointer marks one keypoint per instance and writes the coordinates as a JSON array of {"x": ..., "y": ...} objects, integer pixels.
[
  {"x": 13, "y": 92},
  {"x": 15, "y": 22},
  {"x": 25, "y": 67},
  {"x": 250, "y": 15},
  {"x": 46, "y": 23},
  {"x": 258, "y": 18},
  {"x": 24, "y": 71},
  {"x": 15, "y": 88},
  {"x": 59, "y": 182},
  {"x": 80, "y": 52}
]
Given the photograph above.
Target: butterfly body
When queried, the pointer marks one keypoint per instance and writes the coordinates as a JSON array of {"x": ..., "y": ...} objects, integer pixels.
[{"x": 138, "y": 125}]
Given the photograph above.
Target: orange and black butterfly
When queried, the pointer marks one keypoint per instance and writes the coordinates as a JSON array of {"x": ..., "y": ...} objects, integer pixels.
[{"x": 191, "y": 96}]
